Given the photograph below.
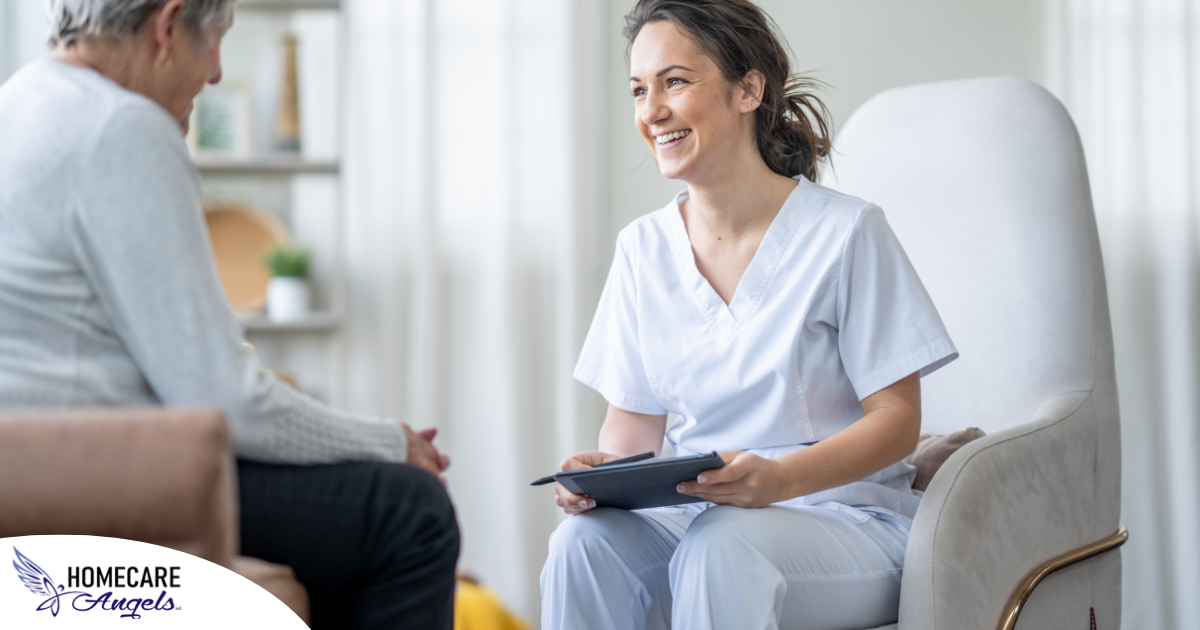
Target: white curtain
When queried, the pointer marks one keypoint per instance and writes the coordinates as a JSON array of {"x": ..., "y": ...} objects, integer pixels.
[
  {"x": 1129, "y": 71},
  {"x": 473, "y": 143}
]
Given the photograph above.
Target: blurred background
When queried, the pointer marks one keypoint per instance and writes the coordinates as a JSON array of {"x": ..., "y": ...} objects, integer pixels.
[{"x": 458, "y": 171}]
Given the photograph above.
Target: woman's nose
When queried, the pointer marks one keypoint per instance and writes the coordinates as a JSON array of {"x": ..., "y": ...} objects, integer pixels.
[{"x": 654, "y": 109}]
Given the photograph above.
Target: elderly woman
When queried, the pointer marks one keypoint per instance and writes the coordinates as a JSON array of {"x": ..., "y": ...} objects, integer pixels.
[
  {"x": 783, "y": 323},
  {"x": 109, "y": 296}
]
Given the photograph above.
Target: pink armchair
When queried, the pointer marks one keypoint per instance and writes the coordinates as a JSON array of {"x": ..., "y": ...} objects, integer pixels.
[{"x": 152, "y": 474}]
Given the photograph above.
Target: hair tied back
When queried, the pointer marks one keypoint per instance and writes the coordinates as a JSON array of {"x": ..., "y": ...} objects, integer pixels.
[{"x": 792, "y": 124}]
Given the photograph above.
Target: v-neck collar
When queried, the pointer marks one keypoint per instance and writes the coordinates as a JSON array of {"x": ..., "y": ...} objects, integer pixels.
[{"x": 724, "y": 318}]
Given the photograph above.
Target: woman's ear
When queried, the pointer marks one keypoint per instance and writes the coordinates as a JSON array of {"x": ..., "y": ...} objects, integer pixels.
[
  {"x": 164, "y": 27},
  {"x": 750, "y": 91}
]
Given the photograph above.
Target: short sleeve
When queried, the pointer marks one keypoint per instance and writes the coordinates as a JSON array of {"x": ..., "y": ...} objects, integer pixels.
[
  {"x": 611, "y": 359},
  {"x": 888, "y": 327}
]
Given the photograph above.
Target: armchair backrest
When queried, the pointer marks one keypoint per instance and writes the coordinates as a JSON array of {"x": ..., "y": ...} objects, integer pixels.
[
  {"x": 157, "y": 475},
  {"x": 984, "y": 183}
]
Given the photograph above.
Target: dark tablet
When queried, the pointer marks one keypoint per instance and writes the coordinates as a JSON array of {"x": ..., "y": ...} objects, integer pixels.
[{"x": 640, "y": 484}]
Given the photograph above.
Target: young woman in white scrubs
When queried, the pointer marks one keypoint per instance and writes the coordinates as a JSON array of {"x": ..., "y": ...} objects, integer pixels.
[{"x": 784, "y": 324}]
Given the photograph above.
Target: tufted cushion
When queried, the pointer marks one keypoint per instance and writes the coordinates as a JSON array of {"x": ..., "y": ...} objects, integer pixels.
[{"x": 933, "y": 450}]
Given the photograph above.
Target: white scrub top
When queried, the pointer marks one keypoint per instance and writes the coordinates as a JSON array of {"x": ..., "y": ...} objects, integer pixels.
[{"x": 829, "y": 311}]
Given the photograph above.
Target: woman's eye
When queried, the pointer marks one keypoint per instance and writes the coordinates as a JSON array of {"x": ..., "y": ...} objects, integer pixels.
[
  {"x": 638, "y": 92},
  {"x": 675, "y": 81}
]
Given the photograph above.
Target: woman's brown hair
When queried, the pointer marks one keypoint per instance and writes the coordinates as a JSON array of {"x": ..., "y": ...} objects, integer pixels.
[{"x": 792, "y": 124}]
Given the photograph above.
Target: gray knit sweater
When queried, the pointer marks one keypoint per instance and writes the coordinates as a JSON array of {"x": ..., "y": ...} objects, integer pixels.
[{"x": 108, "y": 290}]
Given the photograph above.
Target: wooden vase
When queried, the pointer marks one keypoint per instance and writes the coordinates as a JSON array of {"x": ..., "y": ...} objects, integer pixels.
[{"x": 287, "y": 123}]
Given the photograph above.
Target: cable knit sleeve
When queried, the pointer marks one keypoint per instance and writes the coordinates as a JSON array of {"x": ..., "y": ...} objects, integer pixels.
[{"x": 139, "y": 234}]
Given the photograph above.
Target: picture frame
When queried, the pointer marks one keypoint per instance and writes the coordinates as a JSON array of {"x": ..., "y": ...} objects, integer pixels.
[{"x": 221, "y": 121}]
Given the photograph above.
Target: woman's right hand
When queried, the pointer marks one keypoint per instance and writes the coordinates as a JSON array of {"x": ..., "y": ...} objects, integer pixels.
[
  {"x": 422, "y": 453},
  {"x": 576, "y": 503}
]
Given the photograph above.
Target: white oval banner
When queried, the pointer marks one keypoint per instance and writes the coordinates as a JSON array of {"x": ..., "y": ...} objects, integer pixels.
[{"x": 89, "y": 582}]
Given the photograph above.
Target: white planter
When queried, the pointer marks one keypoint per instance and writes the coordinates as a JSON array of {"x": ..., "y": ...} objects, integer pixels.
[{"x": 287, "y": 299}]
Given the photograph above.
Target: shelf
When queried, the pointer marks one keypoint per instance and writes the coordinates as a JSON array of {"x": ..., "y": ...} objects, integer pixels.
[
  {"x": 263, "y": 165},
  {"x": 289, "y": 5},
  {"x": 315, "y": 322}
]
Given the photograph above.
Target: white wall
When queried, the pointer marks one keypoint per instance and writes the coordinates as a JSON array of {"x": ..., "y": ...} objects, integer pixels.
[
  {"x": 5, "y": 38},
  {"x": 858, "y": 47},
  {"x": 23, "y": 34}
]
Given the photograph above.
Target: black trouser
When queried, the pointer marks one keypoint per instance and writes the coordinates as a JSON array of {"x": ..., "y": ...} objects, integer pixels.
[{"x": 375, "y": 544}]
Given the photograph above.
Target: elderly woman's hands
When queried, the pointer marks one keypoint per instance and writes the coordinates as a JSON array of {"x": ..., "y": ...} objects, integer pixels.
[{"x": 422, "y": 452}]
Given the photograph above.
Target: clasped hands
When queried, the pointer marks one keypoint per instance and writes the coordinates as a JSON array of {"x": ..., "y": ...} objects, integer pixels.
[
  {"x": 746, "y": 480},
  {"x": 422, "y": 453}
]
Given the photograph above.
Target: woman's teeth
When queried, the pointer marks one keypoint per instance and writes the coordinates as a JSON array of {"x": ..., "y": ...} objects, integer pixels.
[{"x": 667, "y": 137}]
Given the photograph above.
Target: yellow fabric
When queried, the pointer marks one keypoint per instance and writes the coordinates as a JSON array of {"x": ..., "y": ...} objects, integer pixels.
[{"x": 478, "y": 608}]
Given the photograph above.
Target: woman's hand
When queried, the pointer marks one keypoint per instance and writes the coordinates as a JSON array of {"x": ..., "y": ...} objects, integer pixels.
[
  {"x": 885, "y": 434},
  {"x": 746, "y": 480},
  {"x": 422, "y": 452},
  {"x": 623, "y": 432},
  {"x": 576, "y": 503}
]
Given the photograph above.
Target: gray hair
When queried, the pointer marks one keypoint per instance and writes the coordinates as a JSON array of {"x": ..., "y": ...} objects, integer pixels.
[{"x": 72, "y": 20}]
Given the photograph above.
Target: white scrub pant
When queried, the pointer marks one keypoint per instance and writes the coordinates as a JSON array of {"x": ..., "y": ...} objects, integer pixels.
[{"x": 724, "y": 568}]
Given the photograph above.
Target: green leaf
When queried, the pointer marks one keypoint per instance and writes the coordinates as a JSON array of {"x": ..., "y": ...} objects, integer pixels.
[{"x": 289, "y": 261}]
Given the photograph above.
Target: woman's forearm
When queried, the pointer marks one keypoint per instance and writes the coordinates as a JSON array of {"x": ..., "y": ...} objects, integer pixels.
[
  {"x": 626, "y": 433},
  {"x": 885, "y": 434}
]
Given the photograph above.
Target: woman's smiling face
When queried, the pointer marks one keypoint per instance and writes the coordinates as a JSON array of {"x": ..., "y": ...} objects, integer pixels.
[{"x": 684, "y": 109}]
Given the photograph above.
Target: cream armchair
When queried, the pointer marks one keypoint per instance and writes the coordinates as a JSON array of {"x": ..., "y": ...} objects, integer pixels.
[{"x": 985, "y": 184}]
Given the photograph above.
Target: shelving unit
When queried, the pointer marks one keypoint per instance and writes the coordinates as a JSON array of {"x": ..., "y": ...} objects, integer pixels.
[
  {"x": 268, "y": 164},
  {"x": 314, "y": 322},
  {"x": 303, "y": 190}
]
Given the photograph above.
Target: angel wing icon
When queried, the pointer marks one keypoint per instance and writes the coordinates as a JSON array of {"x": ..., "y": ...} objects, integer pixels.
[{"x": 38, "y": 581}]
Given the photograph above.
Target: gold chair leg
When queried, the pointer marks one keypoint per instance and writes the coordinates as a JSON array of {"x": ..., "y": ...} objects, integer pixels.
[{"x": 1008, "y": 620}]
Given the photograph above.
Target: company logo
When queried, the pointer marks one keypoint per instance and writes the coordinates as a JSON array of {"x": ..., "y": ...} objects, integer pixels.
[{"x": 39, "y": 582}]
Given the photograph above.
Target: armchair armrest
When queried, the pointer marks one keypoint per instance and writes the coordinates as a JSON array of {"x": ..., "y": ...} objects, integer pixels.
[
  {"x": 152, "y": 474},
  {"x": 998, "y": 509}
]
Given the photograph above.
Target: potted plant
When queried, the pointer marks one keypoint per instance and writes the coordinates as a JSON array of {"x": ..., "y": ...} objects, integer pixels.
[{"x": 287, "y": 293}]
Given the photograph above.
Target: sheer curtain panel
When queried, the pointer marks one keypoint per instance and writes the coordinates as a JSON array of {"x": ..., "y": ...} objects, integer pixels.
[
  {"x": 472, "y": 148},
  {"x": 1129, "y": 72}
]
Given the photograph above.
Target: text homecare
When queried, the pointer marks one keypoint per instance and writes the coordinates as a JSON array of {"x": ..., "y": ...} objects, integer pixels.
[{"x": 123, "y": 577}]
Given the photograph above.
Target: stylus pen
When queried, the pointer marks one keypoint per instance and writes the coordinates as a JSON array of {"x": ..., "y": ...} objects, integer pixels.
[{"x": 628, "y": 460}]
